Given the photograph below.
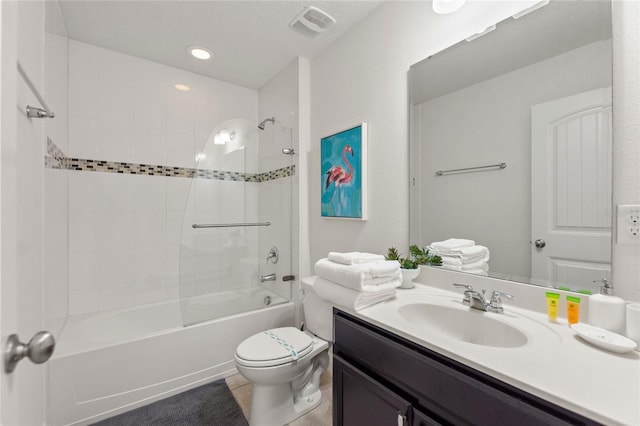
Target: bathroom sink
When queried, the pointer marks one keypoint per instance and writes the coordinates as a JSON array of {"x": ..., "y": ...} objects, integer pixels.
[{"x": 464, "y": 324}]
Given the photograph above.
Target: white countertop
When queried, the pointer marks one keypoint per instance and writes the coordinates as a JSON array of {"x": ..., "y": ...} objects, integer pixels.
[{"x": 556, "y": 365}]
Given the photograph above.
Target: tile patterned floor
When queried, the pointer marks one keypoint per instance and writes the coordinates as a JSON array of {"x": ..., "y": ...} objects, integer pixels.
[{"x": 320, "y": 416}]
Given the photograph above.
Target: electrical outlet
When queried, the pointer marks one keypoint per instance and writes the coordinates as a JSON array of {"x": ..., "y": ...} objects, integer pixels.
[
  {"x": 628, "y": 224},
  {"x": 633, "y": 217}
]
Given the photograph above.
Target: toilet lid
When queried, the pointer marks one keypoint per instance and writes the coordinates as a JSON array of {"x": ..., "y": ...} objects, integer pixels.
[{"x": 274, "y": 347}]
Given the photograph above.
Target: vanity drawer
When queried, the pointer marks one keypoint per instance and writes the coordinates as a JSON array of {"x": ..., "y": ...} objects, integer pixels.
[{"x": 439, "y": 385}]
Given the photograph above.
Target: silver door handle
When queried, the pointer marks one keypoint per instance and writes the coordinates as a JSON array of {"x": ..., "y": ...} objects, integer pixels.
[
  {"x": 38, "y": 350},
  {"x": 540, "y": 243}
]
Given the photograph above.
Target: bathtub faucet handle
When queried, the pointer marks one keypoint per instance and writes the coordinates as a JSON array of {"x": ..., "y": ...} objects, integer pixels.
[{"x": 273, "y": 255}]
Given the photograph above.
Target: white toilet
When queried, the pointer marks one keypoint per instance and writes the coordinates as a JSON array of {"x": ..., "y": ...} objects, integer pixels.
[{"x": 284, "y": 364}]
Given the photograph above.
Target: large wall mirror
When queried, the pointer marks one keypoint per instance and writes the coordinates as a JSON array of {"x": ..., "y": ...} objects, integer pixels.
[{"x": 535, "y": 94}]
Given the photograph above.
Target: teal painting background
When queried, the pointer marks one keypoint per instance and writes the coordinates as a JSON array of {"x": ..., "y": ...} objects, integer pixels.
[{"x": 345, "y": 200}]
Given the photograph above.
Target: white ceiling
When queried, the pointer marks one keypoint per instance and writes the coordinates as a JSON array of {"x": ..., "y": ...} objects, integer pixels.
[{"x": 251, "y": 40}]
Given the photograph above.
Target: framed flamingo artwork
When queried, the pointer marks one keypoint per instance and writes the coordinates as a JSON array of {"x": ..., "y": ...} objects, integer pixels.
[{"x": 343, "y": 166}]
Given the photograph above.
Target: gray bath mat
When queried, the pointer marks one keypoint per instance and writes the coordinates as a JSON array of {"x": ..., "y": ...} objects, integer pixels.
[{"x": 211, "y": 405}]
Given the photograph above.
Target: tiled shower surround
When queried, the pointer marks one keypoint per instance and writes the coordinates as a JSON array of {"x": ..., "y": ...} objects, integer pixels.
[
  {"x": 129, "y": 163},
  {"x": 57, "y": 160}
]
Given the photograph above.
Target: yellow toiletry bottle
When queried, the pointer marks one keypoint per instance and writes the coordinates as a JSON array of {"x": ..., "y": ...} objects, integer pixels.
[
  {"x": 552, "y": 306},
  {"x": 573, "y": 309}
]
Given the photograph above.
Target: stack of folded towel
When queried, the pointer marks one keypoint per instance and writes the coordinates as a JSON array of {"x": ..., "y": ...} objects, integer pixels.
[
  {"x": 356, "y": 280},
  {"x": 462, "y": 255}
]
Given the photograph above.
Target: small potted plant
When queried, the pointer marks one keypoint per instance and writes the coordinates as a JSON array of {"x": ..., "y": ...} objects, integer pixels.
[{"x": 409, "y": 265}]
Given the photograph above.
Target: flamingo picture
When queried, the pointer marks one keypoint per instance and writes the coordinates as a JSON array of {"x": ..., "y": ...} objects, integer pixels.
[
  {"x": 337, "y": 174},
  {"x": 342, "y": 174}
]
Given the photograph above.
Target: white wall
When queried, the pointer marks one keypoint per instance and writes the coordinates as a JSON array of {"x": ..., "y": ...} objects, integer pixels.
[
  {"x": 125, "y": 230},
  {"x": 494, "y": 207},
  {"x": 363, "y": 77}
]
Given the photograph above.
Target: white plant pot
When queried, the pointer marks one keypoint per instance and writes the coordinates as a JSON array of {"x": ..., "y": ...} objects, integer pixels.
[{"x": 408, "y": 275}]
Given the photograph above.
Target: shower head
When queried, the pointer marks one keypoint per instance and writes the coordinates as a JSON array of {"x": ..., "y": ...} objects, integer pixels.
[{"x": 262, "y": 123}]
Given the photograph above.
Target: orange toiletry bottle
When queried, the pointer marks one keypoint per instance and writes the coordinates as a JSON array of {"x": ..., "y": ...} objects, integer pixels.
[{"x": 573, "y": 309}]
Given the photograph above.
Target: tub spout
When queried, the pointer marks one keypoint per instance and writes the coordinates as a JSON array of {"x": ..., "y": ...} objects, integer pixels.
[{"x": 268, "y": 277}]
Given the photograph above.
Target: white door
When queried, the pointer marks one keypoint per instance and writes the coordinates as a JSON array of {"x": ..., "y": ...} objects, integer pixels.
[
  {"x": 21, "y": 206},
  {"x": 571, "y": 189}
]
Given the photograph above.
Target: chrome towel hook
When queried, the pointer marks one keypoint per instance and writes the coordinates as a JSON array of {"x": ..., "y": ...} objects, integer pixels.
[{"x": 35, "y": 112}]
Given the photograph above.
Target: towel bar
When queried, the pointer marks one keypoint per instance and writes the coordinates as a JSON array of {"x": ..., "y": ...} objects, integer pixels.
[
  {"x": 229, "y": 225},
  {"x": 442, "y": 172}
]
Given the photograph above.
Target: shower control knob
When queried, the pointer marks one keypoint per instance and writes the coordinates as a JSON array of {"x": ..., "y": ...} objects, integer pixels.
[
  {"x": 540, "y": 243},
  {"x": 38, "y": 350}
]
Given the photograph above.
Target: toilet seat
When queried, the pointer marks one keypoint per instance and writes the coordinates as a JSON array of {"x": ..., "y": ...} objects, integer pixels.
[{"x": 274, "y": 347}]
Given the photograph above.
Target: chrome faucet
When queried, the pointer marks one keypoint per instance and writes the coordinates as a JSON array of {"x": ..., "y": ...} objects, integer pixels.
[
  {"x": 477, "y": 301},
  {"x": 495, "y": 304},
  {"x": 268, "y": 277}
]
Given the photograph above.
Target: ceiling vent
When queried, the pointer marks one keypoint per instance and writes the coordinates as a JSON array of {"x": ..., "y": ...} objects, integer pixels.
[{"x": 312, "y": 22}]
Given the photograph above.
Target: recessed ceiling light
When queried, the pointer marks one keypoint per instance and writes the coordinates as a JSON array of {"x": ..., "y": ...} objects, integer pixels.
[
  {"x": 444, "y": 7},
  {"x": 182, "y": 87},
  {"x": 199, "y": 52}
]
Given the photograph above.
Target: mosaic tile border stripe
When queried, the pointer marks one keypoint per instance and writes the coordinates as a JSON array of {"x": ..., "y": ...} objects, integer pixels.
[{"x": 57, "y": 160}]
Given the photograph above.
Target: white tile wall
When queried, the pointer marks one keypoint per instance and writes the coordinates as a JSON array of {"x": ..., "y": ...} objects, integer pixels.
[
  {"x": 56, "y": 210},
  {"x": 129, "y": 239}
]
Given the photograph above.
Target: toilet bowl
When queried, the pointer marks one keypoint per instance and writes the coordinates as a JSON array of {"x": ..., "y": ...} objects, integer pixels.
[{"x": 284, "y": 364}]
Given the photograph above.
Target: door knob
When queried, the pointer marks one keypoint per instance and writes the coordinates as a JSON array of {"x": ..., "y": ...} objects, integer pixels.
[
  {"x": 540, "y": 243},
  {"x": 38, "y": 350}
]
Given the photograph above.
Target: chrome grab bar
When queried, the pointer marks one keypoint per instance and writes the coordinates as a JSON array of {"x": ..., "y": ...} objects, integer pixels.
[
  {"x": 228, "y": 225},
  {"x": 442, "y": 172}
]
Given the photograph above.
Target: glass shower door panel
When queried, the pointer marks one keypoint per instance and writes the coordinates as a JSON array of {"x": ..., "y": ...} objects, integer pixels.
[{"x": 220, "y": 259}]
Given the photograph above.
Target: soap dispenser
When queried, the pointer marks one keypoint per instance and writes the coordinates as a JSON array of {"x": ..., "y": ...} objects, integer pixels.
[{"x": 606, "y": 310}]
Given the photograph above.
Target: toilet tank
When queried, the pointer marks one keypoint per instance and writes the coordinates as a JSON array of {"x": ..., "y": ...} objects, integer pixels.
[{"x": 318, "y": 312}]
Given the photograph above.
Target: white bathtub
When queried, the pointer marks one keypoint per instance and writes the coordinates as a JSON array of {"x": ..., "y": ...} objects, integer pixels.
[{"x": 112, "y": 362}]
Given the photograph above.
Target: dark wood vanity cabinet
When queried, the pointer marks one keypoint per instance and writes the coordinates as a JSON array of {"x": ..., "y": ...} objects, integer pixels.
[{"x": 380, "y": 378}]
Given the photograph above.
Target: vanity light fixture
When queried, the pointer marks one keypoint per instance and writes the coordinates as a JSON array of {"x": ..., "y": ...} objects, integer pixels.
[
  {"x": 199, "y": 52},
  {"x": 443, "y": 7},
  {"x": 182, "y": 87}
]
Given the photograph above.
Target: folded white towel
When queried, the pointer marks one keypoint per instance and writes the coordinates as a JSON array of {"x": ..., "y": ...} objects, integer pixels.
[
  {"x": 475, "y": 265},
  {"x": 354, "y": 257},
  {"x": 358, "y": 277},
  {"x": 452, "y": 244},
  {"x": 356, "y": 300},
  {"x": 465, "y": 254},
  {"x": 452, "y": 261},
  {"x": 477, "y": 271},
  {"x": 451, "y": 267}
]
